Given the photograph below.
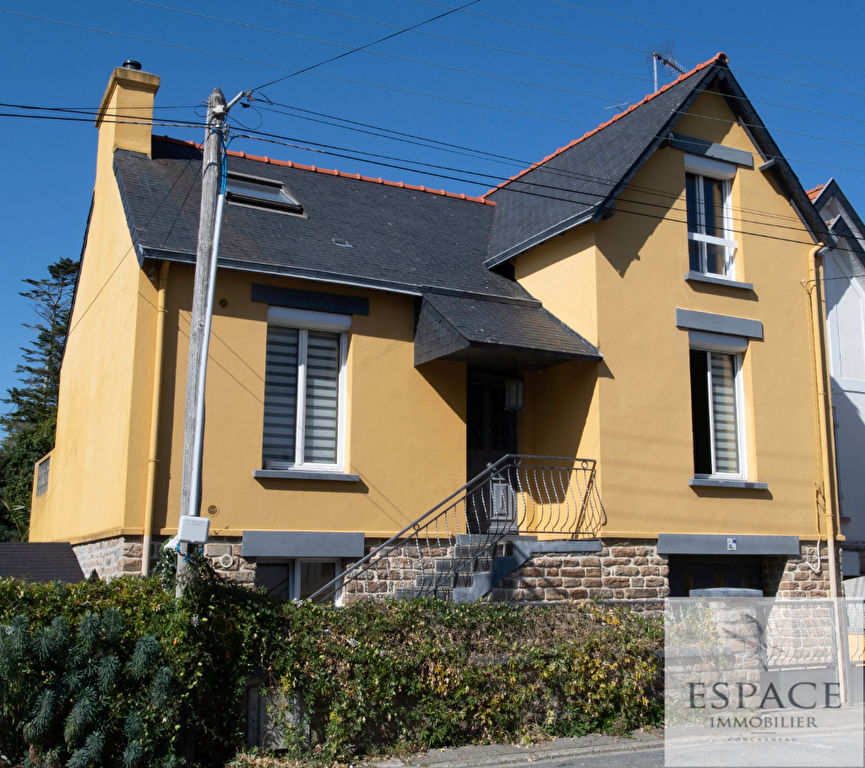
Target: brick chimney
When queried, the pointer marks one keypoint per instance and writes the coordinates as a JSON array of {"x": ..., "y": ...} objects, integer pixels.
[{"x": 128, "y": 97}]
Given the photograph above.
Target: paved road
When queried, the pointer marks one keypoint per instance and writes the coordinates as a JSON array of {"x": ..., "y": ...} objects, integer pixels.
[{"x": 640, "y": 750}]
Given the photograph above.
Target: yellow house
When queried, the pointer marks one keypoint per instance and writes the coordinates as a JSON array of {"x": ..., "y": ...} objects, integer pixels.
[{"x": 625, "y": 322}]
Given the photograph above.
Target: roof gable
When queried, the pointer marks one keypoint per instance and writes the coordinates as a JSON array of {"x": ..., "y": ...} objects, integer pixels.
[{"x": 582, "y": 181}]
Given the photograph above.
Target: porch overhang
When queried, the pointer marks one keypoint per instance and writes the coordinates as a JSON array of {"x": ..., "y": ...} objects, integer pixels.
[{"x": 495, "y": 334}]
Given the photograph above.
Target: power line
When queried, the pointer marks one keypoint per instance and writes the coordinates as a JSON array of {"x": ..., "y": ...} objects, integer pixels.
[
  {"x": 692, "y": 33},
  {"x": 549, "y": 189},
  {"x": 535, "y": 115},
  {"x": 501, "y": 159},
  {"x": 641, "y": 51},
  {"x": 68, "y": 119},
  {"x": 367, "y": 45},
  {"x": 463, "y": 41},
  {"x": 141, "y": 39},
  {"x": 527, "y": 192}
]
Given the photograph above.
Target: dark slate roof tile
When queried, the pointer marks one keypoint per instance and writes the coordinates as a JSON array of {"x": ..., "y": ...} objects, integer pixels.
[
  {"x": 577, "y": 180},
  {"x": 530, "y": 332},
  {"x": 39, "y": 562},
  {"x": 400, "y": 235}
]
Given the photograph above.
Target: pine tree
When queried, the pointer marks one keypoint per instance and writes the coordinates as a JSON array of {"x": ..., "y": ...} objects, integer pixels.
[{"x": 30, "y": 422}]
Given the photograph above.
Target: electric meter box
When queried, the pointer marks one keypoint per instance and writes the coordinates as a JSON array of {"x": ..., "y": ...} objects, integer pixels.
[{"x": 193, "y": 530}]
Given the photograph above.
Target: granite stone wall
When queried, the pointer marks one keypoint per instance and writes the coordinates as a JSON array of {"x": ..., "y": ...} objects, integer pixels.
[
  {"x": 110, "y": 558},
  {"x": 621, "y": 570},
  {"x": 224, "y": 556},
  {"x": 794, "y": 577}
]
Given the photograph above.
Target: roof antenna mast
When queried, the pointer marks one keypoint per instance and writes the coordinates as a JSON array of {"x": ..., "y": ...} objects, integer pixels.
[{"x": 666, "y": 59}]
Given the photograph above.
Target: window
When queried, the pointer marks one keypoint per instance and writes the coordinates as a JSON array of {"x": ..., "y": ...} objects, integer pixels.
[
  {"x": 304, "y": 390},
  {"x": 707, "y": 193},
  {"x": 296, "y": 579},
  {"x": 42, "y": 471},
  {"x": 716, "y": 414},
  {"x": 257, "y": 192}
]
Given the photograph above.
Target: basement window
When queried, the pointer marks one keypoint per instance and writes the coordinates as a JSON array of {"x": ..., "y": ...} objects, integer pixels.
[{"x": 258, "y": 192}]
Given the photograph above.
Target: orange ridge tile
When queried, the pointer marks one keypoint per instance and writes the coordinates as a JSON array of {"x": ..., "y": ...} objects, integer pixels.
[
  {"x": 814, "y": 193},
  {"x": 720, "y": 56},
  {"x": 334, "y": 172}
]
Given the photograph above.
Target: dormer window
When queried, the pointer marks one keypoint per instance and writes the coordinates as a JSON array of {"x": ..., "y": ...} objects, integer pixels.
[{"x": 258, "y": 192}]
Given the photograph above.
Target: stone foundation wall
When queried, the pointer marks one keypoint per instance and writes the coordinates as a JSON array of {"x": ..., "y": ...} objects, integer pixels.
[
  {"x": 622, "y": 570},
  {"x": 792, "y": 577},
  {"x": 388, "y": 574},
  {"x": 224, "y": 556},
  {"x": 110, "y": 558}
]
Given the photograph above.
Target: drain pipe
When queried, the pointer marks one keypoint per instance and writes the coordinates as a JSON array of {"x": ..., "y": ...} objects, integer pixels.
[
  {"x": 827, "y": 451},
  {"x": 824, "y": 411},
  {"x": 153, "y": 447}
]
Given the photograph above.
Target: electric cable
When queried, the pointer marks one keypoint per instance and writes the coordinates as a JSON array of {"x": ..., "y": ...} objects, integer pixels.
[{"x": 365, "y": 45}]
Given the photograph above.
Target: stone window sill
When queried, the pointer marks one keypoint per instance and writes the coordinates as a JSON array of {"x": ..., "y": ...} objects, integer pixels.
[
  {"x": 711, "y": 482},
  {"x": 702, "y": 277},
  {"x": 304, "y": 474}
]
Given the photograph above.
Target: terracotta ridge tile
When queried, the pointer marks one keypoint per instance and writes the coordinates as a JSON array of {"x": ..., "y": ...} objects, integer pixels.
[
  {"x": 334, "y": 172},
  {"x": 814, "y": 193},
  {"x": 720, "y": 56}
]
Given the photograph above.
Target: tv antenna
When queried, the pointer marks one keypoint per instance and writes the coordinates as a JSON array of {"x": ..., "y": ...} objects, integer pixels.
[{"x": 663, "y": 55}]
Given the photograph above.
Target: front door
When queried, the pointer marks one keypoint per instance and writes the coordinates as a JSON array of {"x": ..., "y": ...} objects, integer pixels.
[{"x": 491, "y": 431}]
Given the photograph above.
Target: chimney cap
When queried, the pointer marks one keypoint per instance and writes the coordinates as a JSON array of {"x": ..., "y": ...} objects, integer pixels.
[{"x": 132, "y": 64}]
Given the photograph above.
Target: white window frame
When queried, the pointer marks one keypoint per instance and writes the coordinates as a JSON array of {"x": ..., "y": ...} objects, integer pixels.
[
  {"x": 304, "y": 321},
  {"x": 735, "y": 348},
  {"x": 706, "y": 168},
  {"x": 297, "y": 570}
]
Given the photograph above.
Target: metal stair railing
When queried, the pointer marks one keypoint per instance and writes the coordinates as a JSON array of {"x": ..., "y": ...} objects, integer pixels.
[{"x": 438, "y": 552}]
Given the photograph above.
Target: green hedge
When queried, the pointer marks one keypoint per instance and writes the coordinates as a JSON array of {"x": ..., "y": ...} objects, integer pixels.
[{"x": 125, "y": 674}]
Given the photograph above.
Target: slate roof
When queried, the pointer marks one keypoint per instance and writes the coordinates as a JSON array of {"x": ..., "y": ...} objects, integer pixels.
[
  {"x": 491, "y": 333},
  {"x": 39, "y": 562},
  {"x": 403, "y": 238},
  {"x": 581, "y": 181}
]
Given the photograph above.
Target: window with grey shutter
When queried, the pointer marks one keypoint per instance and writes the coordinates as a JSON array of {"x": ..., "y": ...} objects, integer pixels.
[
  {"x": 725, "y": 419},
  {"x": 303, "y": 384},
  {"x": 280, "y": 396},
  {"x": 715, "y": 407}
]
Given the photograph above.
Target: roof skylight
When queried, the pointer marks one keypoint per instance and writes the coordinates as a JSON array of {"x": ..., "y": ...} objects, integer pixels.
[{"x": 257, "y": 192}]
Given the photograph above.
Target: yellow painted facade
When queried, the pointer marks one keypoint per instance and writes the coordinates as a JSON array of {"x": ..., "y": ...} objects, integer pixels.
[
  {"x": 617, "y": 282},
  {"x": 400, "y": 422},
  {"x": 638, "y": 401}
]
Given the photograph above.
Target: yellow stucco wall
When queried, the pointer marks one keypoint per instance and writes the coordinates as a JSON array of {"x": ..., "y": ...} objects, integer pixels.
[
  {"x": 405, "y": 427},
  {"x": 639, "y": 417},
  {"x": 95, "y": 483}
]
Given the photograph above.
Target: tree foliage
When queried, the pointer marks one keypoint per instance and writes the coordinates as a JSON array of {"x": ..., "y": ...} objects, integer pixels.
[{"x": 31, "y": 418}]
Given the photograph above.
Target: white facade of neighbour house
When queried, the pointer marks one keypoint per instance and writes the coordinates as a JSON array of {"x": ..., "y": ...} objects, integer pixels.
[{"x": 844, "y": 280}]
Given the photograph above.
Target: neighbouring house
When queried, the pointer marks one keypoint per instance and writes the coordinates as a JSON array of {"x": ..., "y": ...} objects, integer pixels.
[
  {"x": 844, "y": 294},
  {"x": 598, "y": 380}
]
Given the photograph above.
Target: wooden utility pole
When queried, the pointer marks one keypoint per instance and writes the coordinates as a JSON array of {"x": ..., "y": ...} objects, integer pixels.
[{"x": 190, "y": 488}]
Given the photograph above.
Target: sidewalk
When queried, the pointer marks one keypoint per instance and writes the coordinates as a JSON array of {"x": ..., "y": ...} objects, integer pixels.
[{"x": 515, "y": 754}]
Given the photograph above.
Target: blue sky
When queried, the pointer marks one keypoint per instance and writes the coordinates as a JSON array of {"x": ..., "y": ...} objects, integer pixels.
[{"x": 510, "y": 78}]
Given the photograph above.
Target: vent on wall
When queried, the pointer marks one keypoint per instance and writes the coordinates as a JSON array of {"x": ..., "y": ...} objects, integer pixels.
[{"x": 258, "y": 192}]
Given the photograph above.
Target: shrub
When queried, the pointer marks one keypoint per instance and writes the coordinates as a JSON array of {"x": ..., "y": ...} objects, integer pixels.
[
  {"x": 124, "y": 674},
  {"x": 426, "y": 673}
]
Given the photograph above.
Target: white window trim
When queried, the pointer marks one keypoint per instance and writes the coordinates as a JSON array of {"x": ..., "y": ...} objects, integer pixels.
[
  {"x": 296, "y": 570},
  {"x": 734, "y": 348},
  {"x": 705, "y": 167},
  {"x": 304, "y": 321}
]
